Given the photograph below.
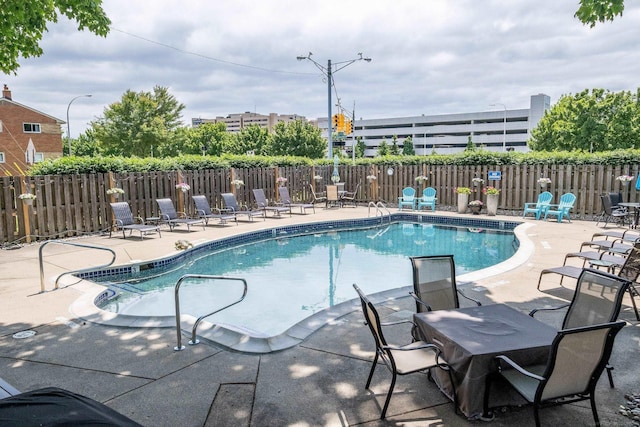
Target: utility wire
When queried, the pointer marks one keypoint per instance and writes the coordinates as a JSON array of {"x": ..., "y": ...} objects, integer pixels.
[{"x": 209, "y": 58}]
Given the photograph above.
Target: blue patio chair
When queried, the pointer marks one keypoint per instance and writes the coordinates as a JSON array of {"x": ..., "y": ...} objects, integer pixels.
[
  {"x": 428, "y": 198},
  {"x": 562, "y": 209},
  {"x": 408, "y": 198},
  {"x": 538, "y": 208}
]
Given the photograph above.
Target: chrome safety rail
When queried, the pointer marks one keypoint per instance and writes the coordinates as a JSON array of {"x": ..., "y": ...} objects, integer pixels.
[
  {"x": 379, "y": 206},
  {"x": 80, "y": 245},
  {"x": 194, "y": 340}
]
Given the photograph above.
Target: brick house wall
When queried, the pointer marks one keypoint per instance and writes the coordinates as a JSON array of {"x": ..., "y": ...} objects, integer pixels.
[{"x": 14, "y": 141}]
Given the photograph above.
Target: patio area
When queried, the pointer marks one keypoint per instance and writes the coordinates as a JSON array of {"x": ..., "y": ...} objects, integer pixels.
[{"x": 317, "y": 383}]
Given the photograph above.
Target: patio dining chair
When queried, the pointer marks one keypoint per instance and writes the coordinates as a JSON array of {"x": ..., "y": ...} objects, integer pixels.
[
  {"x": 125, "y": 221},
  {"x": 263, "y": 204},
  {"x": 350, "y": 197},
  {"x": 333, "y": 197},
  {"x": 204, "y": 211},
  {"x": 537, "y": 208},
  {"x": 618, "y": 215},
  {"x": 576, "y": 360},
  {"x": 285, "y": 200},
  {"x": 320, "y": 197},
  {"x": 597, "y": 298},
  {"x": 408, "y": 198},
  {"x": 428, "y": 199},
  {"x": 562, "y": 209},
  {"x": 231, "y": 205},
  {"x": 169, "y": 215},
  {"x": 400, "y": 360}
]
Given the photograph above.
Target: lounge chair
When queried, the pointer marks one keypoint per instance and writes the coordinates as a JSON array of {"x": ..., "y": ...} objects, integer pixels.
[
  {"x": 350, "y": 197},
  {"x": 428, "y": 199},
  {"x": 169, "y": 215},
  {"x": 619, "y": 215},
  {"x": 204, "y": 211},
  {"x": 597, "y": 299},
  {"x": 408, "y": 198},
  {"x": 401, "y": 360},
  {"x": 594, "y": 258},
  {"x": 285, "y": 199},
  {"x": 263, "y": 203},
  {"x": 537, "y": 208},
  {"x": 125, "y": 221},
  {"x": 576, "y": 360},
  {"x": 562, "y": 209},
  {"x": 231, "y": 205},
  {"x": 320, "y": 197}
]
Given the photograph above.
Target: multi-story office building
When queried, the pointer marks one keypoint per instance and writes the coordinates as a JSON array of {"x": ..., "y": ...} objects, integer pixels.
[
  {"x": 236, "y": 122},
  {"x": 496, "y": 130}
]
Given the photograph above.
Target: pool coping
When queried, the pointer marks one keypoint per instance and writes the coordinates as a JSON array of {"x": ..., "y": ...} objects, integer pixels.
[{"x": 237, "y": 339}]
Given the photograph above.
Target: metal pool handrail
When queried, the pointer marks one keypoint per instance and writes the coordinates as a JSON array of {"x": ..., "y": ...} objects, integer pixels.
[
  {"x": 379, "y": 206},
  {"x": 81, "y": 245},
  {"x": 193, "y": 340}
]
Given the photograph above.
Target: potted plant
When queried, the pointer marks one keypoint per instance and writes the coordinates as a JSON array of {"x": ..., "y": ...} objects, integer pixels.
[
  {"x": 237, "y": 182},
  {"x": 317, "y": 178},
  {"x": 371, "y": 178},
  {"x": 184, "y": 187},
  {"x": 27, "y": 198},
  {"x": 624, "y": 179},
  {"x": 463, "y": 198},
  {"x": 281, "y": 180},
  {"x": 335, "y": 178},
  {"x": 477, "y": 182},
  {"x": 544, "y": 182},
  {"x": 421, "y": 178},
  {"x": 115, "y": 192},
  {"x": 492, "y": 200},
  {"x": 476, "y": 206}
]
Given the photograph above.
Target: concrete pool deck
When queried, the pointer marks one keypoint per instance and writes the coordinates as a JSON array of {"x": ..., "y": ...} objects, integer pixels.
[{"x": 319, "y": 382}]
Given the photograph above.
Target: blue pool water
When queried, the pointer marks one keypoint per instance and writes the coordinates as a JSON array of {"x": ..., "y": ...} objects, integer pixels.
[{"x": 290, "y": 278}]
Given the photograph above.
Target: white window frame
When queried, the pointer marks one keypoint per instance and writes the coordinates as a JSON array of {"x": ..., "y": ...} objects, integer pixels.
[
  {"x": 39, "y": 157},
  {"x": 35, "y": 128},
  {"x": 2, "y": 157},
  {"x": 0, "y": 125}
]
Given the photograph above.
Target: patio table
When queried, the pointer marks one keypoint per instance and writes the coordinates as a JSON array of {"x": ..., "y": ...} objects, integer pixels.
[
  {"x": 471, "y": 337},
  {"x": 636, "y": 212}
]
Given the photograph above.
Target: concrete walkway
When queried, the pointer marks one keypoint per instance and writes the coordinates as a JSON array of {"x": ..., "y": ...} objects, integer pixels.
[{"x": 317, "y": 383}]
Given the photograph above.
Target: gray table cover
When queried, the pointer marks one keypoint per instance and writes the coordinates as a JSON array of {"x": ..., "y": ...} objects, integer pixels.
[{"x": 471, "y": 337}]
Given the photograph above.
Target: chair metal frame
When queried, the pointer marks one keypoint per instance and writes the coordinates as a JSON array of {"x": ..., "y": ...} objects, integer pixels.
[
  {"x": 548, "y": 385},
  {"x": 285, "y": 200},
  {"x": 263, "y": 204},
  {"x": 125, "y": 220},
  {"x": 392, "y": 355},
  {"x": 169, "y": 215},
  {"x": 231, "y": 205},
  {"x": 204, "y": 211}
]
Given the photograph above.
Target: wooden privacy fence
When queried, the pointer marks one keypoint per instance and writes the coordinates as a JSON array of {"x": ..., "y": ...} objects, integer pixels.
[{"x": 70, "y": 205}]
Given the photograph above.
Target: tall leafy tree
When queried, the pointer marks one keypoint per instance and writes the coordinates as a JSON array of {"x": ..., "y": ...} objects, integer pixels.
[
  {"x": 395, "y": 149},
  {"x": 250, "y": 138},
  {"x": 407, "y": 147},
  {"x": 23, "y": 22},
  {"x": 360, "y": 147},
  {"x": 383, "y": 148},
  {"x": 590, "y": 121},
  {"x": 297, "y": 138},
  {"x": 591, "y": 12},
  {"x": 140, "y": 121}
]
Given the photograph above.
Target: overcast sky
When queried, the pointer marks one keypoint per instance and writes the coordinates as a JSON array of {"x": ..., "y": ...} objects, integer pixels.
[{"x": 428, "y": 57}]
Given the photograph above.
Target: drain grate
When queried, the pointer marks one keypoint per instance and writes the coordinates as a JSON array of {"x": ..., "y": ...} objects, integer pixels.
[{"x": 24, "y": 334}]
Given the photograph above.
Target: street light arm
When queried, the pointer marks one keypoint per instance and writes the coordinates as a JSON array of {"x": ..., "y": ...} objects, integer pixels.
[{"x": 68, "y": 124}]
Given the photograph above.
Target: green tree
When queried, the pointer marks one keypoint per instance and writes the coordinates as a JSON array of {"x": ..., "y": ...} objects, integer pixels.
[
  {"x": 395, "y": 149},
  {"x": 179, "y": 142},
  {"x": 360, "y": 147},
  {"x": 212, "y": 137},
  {"x": 470, "y": 145},
  {"x": 407, "y": 147},
  {"x": 138, "y": 122},
  {"x": 383, "y": 148},
  {"x": 84, "y": 145},
  {"x": 595, "y": 120},
  {"x": 251, "y": 138},
  {"x": 591, "y": 12},
  {"x": 297, "y": 138},
  {"x": 23, "y": 22}
]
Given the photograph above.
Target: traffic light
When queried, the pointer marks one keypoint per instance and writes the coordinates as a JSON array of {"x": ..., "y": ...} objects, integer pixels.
[
  {"x": 340, "y": 123},
  {"x": 348, "y": 127},
  {"x": 334, "y": 121}
]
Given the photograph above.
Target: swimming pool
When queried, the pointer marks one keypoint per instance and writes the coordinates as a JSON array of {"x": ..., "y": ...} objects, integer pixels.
[{"x": 294, "y": 273}]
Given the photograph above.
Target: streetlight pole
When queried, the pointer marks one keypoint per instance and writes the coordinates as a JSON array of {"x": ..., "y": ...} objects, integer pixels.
[
  {"x": 504, "y": 125},
  {"x": 69, "y": 124},
  {"x": 328, "y": 72}
]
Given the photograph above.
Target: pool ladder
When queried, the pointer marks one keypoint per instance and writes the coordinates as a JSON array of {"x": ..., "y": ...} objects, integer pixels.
[
  {"x": 379, "y": 206},
  {"x": 81, "y": 245},
  {"x": 188, "y": 277}
]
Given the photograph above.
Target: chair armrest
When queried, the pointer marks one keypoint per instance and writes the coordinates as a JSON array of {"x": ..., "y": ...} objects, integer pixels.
[
  {"x": 419, "y": 301},
  {"x": 517, "y": 367},
  {"x": 535, "y": 310},
  {"x": 469, "y": 298},
  {"x": 139, "y": 219},
  {"x": 416, "y": 345},
  {"x": 200, "y": 212},
  {"x": 182, "y": 215},
  {"x": 397, "y": 322}
]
